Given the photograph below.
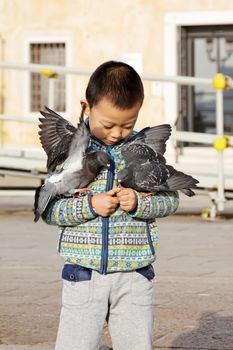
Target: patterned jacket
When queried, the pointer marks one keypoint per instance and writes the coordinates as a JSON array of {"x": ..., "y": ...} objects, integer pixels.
[{"x": 120, "y": 242}]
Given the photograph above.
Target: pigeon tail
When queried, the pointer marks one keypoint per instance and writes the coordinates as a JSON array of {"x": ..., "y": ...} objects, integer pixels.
[
  {"x": 181, "y": 181},
  {"x": 188, "y": 192},
  {"x": 43, "y": 195}
]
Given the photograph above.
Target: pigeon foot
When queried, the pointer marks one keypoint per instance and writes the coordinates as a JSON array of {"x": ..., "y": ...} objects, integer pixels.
[
  {"x": 146, "y": 195},
  {"x": 80, "y": 191}
]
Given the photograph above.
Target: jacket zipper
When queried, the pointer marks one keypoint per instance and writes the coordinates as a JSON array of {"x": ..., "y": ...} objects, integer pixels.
[
  {"x": 149, "y": 239},
  {"x": 60, "y": 239},
  {"x": 105, "y": 220}
]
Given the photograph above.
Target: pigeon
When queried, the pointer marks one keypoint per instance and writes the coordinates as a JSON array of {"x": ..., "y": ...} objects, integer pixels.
[
  {"x": 68, "y": 166},
  {"x": 145, "y": 166}
]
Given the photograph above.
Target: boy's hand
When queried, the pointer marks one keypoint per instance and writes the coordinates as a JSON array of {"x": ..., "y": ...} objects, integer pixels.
[
  {"x": 105, "y": 203},
  {"x": 127, "y": 198}
]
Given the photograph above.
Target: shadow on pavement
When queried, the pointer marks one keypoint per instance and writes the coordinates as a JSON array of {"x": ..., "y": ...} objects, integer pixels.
[{"x": 213, "y": 332}]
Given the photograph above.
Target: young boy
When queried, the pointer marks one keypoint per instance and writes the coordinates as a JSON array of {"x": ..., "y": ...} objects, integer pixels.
[{"x": 108, "y": 237}]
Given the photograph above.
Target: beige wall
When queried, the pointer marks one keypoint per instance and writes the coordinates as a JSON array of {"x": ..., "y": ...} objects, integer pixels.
[{"x": 97, "y": 30}]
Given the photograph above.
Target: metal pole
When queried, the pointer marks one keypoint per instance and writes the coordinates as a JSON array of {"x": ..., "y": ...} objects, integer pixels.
[
  {"x": 62, "y": 70},
  {"x": 220, "y": 132},
  {"x": 51, "y": 93}
]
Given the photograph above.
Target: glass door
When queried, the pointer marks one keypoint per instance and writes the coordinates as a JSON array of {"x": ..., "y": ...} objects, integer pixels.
[{"x": 203, "y": 52}]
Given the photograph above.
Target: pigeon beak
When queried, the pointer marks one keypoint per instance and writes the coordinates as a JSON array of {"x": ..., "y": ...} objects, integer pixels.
[{"x": 118, "y": 183}]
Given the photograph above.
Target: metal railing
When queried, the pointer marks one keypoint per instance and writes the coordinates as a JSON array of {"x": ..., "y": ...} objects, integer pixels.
[{"x": 219, "y": 83}]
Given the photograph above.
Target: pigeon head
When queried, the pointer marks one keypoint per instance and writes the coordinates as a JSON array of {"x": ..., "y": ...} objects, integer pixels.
[
  {"x": 104, "y": 159},
  {"x": 124, "y": 175}
]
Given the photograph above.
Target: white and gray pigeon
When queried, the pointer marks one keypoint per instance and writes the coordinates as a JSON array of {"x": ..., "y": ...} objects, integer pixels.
[
  {"x": 68, "y": 166},
  {"x": 145, "y": 166}
]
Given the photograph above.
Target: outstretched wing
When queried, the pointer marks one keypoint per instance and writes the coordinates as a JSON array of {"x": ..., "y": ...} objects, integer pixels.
[
  {"x": 56, "y": 135},
  {"x": 154, "y": 137}
]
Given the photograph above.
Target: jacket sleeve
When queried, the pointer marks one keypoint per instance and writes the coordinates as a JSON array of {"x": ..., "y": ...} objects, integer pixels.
[
  {"x": 159, "y": 205},
  {"x": 69, "y": 211}
]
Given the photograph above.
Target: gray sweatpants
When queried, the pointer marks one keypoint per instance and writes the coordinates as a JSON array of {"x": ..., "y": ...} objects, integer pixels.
[{"x": 126, "y": 296}]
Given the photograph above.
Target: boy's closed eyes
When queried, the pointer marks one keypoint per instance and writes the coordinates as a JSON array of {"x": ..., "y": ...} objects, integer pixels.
[{"x": 109, "y": 123}]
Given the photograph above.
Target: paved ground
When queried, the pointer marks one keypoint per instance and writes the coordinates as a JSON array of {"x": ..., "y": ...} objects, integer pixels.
[{"x": 193, "y": 301}]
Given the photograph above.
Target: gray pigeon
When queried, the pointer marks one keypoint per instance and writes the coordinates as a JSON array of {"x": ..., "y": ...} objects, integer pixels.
[
  {"x": 145, "y": 166},
  {"x": 68, "y": 166}
]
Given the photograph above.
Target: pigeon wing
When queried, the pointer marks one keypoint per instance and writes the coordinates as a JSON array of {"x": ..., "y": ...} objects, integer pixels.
[
  {"x": 151, "y": 176},
  {"x": 56, "y": 135},
  {"x": 154, "y": 137},
  {"x": 138, "y": 152}
]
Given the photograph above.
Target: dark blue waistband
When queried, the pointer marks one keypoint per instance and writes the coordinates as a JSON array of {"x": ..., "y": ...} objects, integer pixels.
[{"x": 77, "y": 273}]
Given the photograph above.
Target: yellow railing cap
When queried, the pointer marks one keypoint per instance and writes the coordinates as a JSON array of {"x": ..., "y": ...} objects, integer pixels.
[
  {"x": 49, "y": 73},
  {"x": 222, "y": 82}
]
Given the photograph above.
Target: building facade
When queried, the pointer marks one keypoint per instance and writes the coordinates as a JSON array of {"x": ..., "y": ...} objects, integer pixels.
[{"x": 169, "y": 37}]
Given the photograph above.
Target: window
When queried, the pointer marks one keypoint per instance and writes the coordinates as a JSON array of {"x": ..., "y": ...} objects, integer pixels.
[
  {"x": 52, "y": 54},
  {"x": 204, "y": 51}
]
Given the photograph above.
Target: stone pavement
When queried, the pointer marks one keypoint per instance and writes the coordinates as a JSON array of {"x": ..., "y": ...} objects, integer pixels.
[{"x": 193, "y": 296}]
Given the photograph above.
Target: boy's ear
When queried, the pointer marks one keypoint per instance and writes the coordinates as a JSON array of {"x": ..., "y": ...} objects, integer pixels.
[{"x": 85, "y": 106}]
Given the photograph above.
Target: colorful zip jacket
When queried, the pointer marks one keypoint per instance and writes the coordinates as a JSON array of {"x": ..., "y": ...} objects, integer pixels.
[{"x": 120, "y": 242}]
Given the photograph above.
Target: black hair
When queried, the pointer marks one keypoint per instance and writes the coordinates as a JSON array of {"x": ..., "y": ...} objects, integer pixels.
[{"x": 118, "y": 82}]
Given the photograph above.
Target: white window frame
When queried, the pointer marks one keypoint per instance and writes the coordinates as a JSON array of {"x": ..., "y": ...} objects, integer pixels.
[
  {"x": 47, "y": 38},
  {"x": 173, "y": 20}
]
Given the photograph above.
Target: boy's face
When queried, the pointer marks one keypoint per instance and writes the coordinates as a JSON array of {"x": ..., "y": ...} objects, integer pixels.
[{"x": 110, "y": 124}]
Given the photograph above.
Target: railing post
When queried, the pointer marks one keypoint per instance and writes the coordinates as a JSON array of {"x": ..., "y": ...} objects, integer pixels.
[
  {"x": 51, "y": 76},
  {"x": 220, "y": 133},
  {"x": 51, "y": 93},
  {"x": 220, "y": 84}
]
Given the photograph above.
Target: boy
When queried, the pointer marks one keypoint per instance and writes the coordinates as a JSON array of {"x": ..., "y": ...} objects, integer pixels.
[{"x": 108, "y": 236}]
